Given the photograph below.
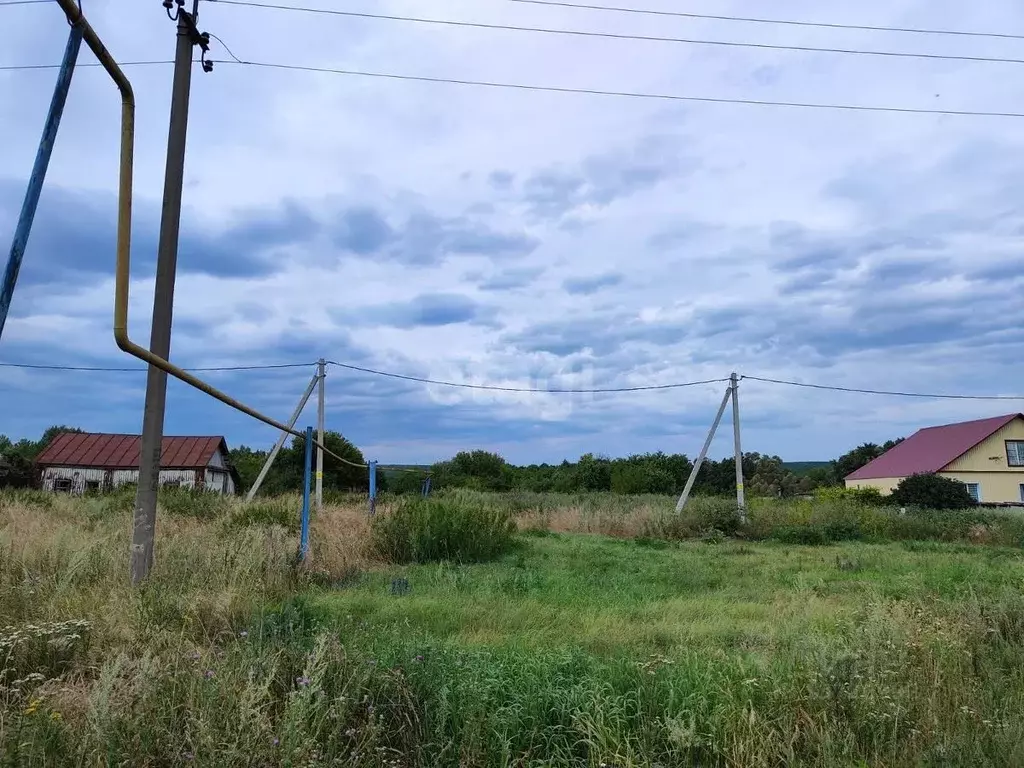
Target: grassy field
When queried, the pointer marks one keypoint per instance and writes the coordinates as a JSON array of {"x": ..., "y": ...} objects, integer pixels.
[{"x": 606, "y": 632}]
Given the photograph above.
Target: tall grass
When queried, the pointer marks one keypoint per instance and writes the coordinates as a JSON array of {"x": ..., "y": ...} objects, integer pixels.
[
  {"x": 429, "y": 530},
  {"x": 224, "y": 659}
]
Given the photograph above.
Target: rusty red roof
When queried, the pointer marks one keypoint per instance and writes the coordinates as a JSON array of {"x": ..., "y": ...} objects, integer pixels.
[
  {"x": 929, "y": 450},
  {"x": 105, "y": 451}
]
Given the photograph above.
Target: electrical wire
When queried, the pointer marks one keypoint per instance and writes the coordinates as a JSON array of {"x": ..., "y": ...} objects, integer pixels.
[
  {"x": 19, "y": 67},
  {"x": 35, "y": 367},
  {"x": 784, "y": 22},
  {"x": 496, "y": 388},
  {"x": 624, "y": 36},
  {"x": 24, "y": 2},
  {"x": 560, "y": 89},
  {"x": 883, "y": 392}
]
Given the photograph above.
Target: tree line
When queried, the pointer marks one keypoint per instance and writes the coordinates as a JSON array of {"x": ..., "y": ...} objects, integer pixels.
[{"x": 656, "y": 473}]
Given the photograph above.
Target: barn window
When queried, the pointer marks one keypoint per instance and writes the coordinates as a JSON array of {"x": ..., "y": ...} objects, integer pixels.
[
  {"x": 62, "y": 485},
  {"x": 1015, "y": 453}
]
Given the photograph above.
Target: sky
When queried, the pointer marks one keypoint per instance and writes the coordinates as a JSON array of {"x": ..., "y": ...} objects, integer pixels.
[{"x": 531, "y": 239}]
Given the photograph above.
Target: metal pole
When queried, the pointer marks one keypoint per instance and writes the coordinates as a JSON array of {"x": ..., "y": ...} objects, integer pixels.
[
  {"x": 734, "y": 385},
  {"x": 144, "y": 524},
  {"x": 42, "y": 162},
  {"x": 322, "y": 374},
  {"x": 280, "y": 441},
  {"x": 373, "y": 487},
  {"x": 306, "y": 472},
  {"x": 703, "y": 452}
]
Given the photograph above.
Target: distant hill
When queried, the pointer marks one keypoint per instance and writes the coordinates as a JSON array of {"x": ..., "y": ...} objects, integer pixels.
[{"x": 803, "y": 467}]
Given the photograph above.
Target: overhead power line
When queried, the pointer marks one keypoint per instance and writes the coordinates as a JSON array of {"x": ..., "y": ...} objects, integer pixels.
[
  {"x": 17, "y": 67},
  {"x": 35, "y": 367},
  {"x": 24, "y": 2},
  {"x": 883, "y": 392},
  {"x": 497, "y": 388},
  {"x": 783, "y": 22},
  {"x": 623, "y": 36},
  {"x": 561, "y": 89}
]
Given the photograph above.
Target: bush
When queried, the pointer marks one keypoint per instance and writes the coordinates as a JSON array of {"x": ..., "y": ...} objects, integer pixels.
[
  {"x": 861, "y": 495},
  {"x": 435, "y": 529},
  {"x": 932, "y": 492},
  {"x": 702, "y": 515}
]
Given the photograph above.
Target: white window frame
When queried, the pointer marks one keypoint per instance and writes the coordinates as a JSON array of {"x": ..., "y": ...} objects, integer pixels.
[
  {"x": 1015, "y": 457},
  {"x": 977, "y": 493}
]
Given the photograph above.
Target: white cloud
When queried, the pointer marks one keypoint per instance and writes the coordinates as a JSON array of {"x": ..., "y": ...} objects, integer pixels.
[{"x": 690, "y": 202}]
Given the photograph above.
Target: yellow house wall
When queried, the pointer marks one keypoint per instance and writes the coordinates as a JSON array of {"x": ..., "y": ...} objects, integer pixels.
[
  {"x": 994, "y": 487},
  {"x": 884, "y": 484},
  {"x": 990, "y": 454},
  {"x": 986, "y": 465}
]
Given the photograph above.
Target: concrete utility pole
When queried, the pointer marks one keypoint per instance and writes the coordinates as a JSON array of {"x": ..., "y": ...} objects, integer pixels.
[
  {"x": 734, "y": 385},
  {"x": 280, "y": 440},
  {"x": 703, "y": 451},
  {"x": 321, "y": 367},
  {"x": 144, "y": 523}
]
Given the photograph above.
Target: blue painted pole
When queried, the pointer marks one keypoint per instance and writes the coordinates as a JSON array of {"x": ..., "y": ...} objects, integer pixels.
[
  {"x": 35, "y": 182},
  {"x": 307, "y": 473},
  {"x": 426, "y": 486},
  {"x": 373, "y": 487}
]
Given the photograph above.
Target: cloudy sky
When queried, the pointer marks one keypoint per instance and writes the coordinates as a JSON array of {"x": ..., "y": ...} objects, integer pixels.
[{"x": 533, "y": 239}]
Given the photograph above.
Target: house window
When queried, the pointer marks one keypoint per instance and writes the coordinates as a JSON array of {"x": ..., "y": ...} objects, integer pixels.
[
  {"x": 62, "y": 485},
  {"x": 1015, "y": 453},
  {"x": 975, "y": 490},
  {"x": 1022, "y": 492}
]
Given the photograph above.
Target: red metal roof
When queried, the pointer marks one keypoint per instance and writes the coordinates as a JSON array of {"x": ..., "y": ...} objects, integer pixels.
[
  {"x": 104, "y": 451},
  {"x": 929, "y": 450}
]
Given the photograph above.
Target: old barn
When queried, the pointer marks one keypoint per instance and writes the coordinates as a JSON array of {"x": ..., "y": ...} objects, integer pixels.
[{"x": 78, "y": 462}]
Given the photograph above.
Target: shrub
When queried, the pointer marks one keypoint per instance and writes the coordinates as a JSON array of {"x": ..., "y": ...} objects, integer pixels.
[
  {"x": 861, "y": 495},
  {"x": 430, "y": 530},
  {"x": 932, "y": 492}
]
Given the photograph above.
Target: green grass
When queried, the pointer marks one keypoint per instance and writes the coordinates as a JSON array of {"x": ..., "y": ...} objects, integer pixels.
[
  {"x": 570, "y": 649},
  {"x": 614, "y": 597}
]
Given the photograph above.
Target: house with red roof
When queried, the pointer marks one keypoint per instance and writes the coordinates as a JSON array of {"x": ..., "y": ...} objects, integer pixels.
[
  {"x": 987, "y": 455},
  {"x": 76, "y": 462}
]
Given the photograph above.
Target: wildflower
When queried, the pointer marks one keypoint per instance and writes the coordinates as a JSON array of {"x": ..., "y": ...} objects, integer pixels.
[
  {"x": 302, "y": 681},
  {"x": 189, "y": 756},
  {"x": 418, "y": 658},
  {"x": 350, "y": 732},
  {"x": 56, "y": 717},
  {"x": 372, "y": 662},
  {"x": 275, "y": 742},
  {"x": 32, "y": 707},
  {"x": 243, "y": 634},
  {"x": 208, "y": 674}
]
